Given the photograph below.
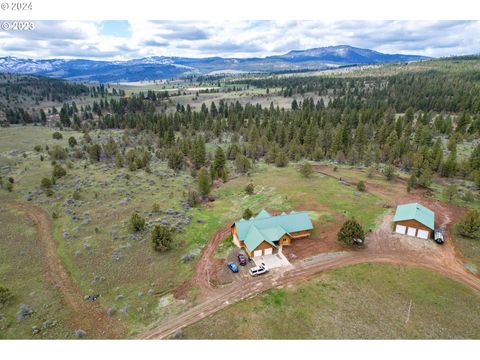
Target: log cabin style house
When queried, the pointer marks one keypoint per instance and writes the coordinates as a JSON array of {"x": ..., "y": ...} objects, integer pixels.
[{"x": 265, "y": 234}]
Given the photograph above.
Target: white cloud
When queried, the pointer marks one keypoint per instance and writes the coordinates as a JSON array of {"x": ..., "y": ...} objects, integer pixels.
[{"x": 84, "y": 39}]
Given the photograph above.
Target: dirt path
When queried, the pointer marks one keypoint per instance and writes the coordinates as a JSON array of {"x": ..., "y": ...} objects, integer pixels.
[
  {"x": 383, "y": 246},
  {"x": 90, "y": 317},
  {"x": 205, "y": 266}
]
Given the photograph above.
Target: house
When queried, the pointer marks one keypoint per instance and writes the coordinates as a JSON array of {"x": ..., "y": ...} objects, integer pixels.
[
  {"x": 414, "y": 220},
  {"x": 266, "y": 233}
]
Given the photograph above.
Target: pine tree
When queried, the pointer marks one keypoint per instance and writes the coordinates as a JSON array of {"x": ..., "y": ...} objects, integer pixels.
[
  {"x": 219, "y": 161},
  {"x": 469, "y": 226},
  {"x": 450, "y": 165},
  {"x": 281, "y": 160},
  {"x": 475, "y": 158},
  {"x": 351, "y": 233},
  {"x": 199, "y": 152},
  {"x": 242, "y": 163},
  {"x": 203, "y": 182}
]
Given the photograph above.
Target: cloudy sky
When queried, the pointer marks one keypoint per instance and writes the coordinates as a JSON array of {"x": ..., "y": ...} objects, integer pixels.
[{"x": 120, "y": 40}]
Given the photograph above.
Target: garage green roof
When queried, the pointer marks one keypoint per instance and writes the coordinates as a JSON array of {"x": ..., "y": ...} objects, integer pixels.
[
  {"x": 269, "y": 228},
  {"x": 415, "y": 211}
]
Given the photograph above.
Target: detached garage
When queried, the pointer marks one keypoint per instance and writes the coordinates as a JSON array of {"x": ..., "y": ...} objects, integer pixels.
[{"x": 414, "y": 220}]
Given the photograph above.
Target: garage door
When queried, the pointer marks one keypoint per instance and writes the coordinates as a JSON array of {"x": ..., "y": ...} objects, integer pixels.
[
  {"x": 422, "y": 234},
  {"x": 257, "y": 253},
  {"x": 267, "y": 251},
  {"x": 411, "y": 231},
  {"x": 400, "y": 229}
]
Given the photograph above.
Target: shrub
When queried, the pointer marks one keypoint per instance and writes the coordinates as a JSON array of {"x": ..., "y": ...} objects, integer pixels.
[
  {"x": 192, "y": 198},
  {"x": 247, "y": 214},
  {"x": 469, "y": 225},
  {"x": 87, "y": 138},
  {"x": 46, "y": 183},
  {"x": 469, "y": 196},
  {"x": 58, "y": 153},
  {"x": 450, "y": 191},
  {"x": 371, "y": 171},
  {"x": 76, "y": 195},
  {"x": 281, "y": 160},
  {"x": 335, "y": 168},
  {"x": 58, "y": 171},
  {"x": 37, "y": 148},
  {"x": 175, "y": 160},
  {"x": 72, "y": 141},
  {"x": 389, "y": 172},
  {"x": 118, "y": 160},
  {"x": 476, "y": 178},
  {"x": 95, "y": 152},
  {"x": 351, "y": 233},
  {"x": 161, "y": 238},
  {"x": 242, "y": 163},
  {"x": 5, "y": 296},
  {"x": 9, "y": 187},
  {"x": 155, "y": 207},
  {"x": 306, "y": 169},
  {"x": 137, "y": 222},
  {"x": 57, "y": 136},
  {"x": 361, "y": 186},
  {"x": 250, "y": 189},
  {"x": 137, "y": 158},
  {"x": 11, "y": 180}
]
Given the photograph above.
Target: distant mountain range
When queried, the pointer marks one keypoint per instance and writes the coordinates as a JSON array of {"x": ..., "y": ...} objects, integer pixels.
[{"x": 163, "y": 67}]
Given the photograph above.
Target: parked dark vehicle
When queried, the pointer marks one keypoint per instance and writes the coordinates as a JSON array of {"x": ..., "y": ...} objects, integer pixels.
[{"x": 242, "y": 260}]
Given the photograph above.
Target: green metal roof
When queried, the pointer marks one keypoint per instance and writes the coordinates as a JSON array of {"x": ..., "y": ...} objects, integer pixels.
[
  {"x": 415, "y": 211},
  {"x": 265, "y": 227}
]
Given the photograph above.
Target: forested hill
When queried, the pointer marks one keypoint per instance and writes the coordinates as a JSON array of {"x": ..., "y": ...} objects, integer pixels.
[
  {"x": 414, "y": 121},
  {"x": 451, "y": 85},
  {"x": 21, "y": 93}
]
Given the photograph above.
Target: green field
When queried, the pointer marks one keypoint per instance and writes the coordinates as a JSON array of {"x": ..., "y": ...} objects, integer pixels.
[
  {"x": 358, "y": 302},
  {"x": 23, "y": 270}
]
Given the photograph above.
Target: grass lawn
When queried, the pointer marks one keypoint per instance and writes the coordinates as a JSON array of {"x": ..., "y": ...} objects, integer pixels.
[
  {"x": 470, "y": 249},
  {"x": 359, "y": 302}
]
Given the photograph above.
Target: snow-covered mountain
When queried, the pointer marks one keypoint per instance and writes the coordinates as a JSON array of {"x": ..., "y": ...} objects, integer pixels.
[{"x": 164, "y": 67}]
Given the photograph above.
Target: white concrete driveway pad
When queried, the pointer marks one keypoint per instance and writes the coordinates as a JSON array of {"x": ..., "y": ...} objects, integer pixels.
[{"x": 272, "y": 261}]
